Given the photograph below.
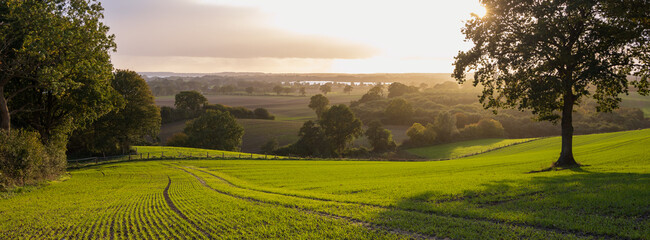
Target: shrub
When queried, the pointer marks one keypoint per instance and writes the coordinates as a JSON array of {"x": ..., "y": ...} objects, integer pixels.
[
  {"x": 262, "y": 113},
  {"x": 178, "y": 140},
  {"x": 24, "y": 159},
  {"x": 270, "y": 146}
]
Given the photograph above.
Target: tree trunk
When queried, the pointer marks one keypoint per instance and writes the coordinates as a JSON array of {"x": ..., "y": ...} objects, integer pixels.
[
  {"x": 566, "y": 156},
  {"x": 5, "y": 117}
]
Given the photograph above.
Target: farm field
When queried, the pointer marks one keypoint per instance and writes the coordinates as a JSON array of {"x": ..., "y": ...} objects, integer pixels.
[
  {"x": 486, "y": 196},
  {"x": 283, "y": 107},
  {"x": 256, "y": 133},
  {"x": 464, "y": 148}
]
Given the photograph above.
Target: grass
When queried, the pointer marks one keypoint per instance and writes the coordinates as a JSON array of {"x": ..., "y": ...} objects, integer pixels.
[
  {"x": 185, "y": 152},
  {"x": 464, "y": 148},
  {"x": 486, "y": 196}
]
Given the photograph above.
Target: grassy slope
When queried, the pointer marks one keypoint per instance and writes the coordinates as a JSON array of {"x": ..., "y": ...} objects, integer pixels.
[
  {"x": 464, "y": 148},
  {"x": 610, "y": 196},
  {"x": 488, "y": 196}
]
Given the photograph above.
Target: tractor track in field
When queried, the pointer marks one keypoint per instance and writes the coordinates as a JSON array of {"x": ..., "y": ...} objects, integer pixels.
[
  {"x": 489, "y": 220},
  {"x": 178, "y": 211},
  {"x": 354, "y": 221}
]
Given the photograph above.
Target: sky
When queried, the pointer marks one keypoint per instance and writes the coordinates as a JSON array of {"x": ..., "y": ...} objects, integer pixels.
[{"x": 288, "y": 36}]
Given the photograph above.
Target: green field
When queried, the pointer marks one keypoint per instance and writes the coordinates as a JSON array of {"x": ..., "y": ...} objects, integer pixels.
[
  {"x": 486, "y": 196},
  {"x": 465, "y": 148}
]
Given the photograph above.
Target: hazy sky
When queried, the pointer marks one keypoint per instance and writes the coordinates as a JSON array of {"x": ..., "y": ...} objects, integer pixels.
[{"x": 350, "y": 36}]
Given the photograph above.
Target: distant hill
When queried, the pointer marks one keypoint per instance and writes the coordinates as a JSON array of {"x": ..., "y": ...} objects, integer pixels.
[{"x": 256, "y": 76}]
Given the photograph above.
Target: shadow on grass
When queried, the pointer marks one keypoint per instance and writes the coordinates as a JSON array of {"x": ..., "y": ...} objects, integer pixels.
[{"x": 584, "y": 204}]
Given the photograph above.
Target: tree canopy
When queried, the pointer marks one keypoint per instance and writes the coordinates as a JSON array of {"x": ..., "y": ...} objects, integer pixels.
[
  {"x": 340, "y": 127},
  {"x": 214, "y": 130},
  {"x": 115, "y": 132},
  {"x": 55, "y": 65},
  {"x": 190, "y": 101},
  {"x": 546, "y": 55},
  {"x": 319, "y": 104}
]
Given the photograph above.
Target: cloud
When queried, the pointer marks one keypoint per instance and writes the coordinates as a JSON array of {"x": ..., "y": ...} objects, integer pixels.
[{"x": 185, "y": 28}]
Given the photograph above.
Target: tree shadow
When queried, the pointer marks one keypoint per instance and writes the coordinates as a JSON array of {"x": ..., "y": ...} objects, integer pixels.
[{"x": 584, "y": 204}]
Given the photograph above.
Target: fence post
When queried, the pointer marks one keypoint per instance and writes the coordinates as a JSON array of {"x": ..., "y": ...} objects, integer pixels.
[
  {"x": 251, "y": 156},
  {"x": 162, "y": 155},
  {"x": 129, "y": 156},
  {"x": 207, "y": 154},
  {"x": 140, "y": 156},
  {"x": 239, "y": 156},
  {"x": 148, "y": 156},
  {"x": 223, "y": 155}
]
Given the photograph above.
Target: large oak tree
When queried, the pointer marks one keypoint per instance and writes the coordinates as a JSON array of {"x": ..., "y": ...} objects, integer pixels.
[
  {"x": 546, "y": 55},
  {"x": 55, "y": 67}
]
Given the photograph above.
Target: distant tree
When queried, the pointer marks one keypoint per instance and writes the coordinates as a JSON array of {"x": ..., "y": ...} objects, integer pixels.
[
  {"x": 190, "y": 101},
  {"x": 319, "y": 104},
  {"x": 423, "y": 86},
  {"x": 278, "y": 89},
  {"x": 288, "y": 90},
  {"x": 250, "y": 90},
  {"x": 491, "y": 128},
  {"x": 375, "y": 93},
  {"x": 325, "y": 88},
  {"x": 115, "y": 132},
  {"x": 178, "y": 140},
  {"x": 214, "y": 130},
  {"x": 546, "y": 55},
  {"x": 420, "y": 135},
  {"x": 270, "y": 146},
  {"x": 347, "y": 89},
  {"x": 398, "y": 89},
  {"x": 303, "y": 91},
  {"x": 262, "y": 113},
  {"x": 380, "y": 139},
  {"x": 312, "y": 140},
  {"x": 445, "y": 127},
  {"x": 340, "y": 127},
  {"x": 399, "y": 111},
  {"x": 226, "y": 89}
]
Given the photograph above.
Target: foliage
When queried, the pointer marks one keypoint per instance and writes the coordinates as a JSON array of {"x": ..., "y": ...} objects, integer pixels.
[
  {"x": 190, "y": 101},
  {"x": 250, "y": 90},
  {"x": 399, "y": 111},
  {"x": 325, "y": 88},
  {"x": 420, "y": 135},
  {"x": 179, "y": 140},
  {"x": 278, "y": 89},
  {"x": 24, "y": 159},
  {"x": 545, "y": 56},
  {"x": 348, "y": 89},
  {"x": 445, "y": 127},
  {"x": 302, "y": 91},
  {"x": 381, "y": 139},
  {"x": 214, "y": 130},
  {"x": 115, "y": 132},
  {"x": 485, "y": 128},
  {"x": 340, "y": 127},
  {"x": 319, "y": 104},
  {"x": 374, "y": 94},
  {"x": 270, "y": 146},
  {"x": 262, "y": 113},
  {"x": 56, "y": 67},
  {"x": 397, "y": 89}
]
